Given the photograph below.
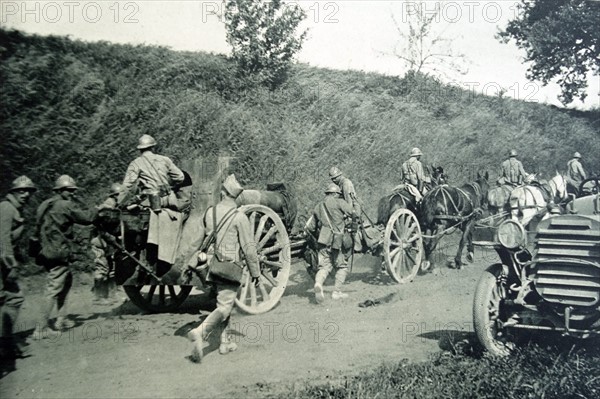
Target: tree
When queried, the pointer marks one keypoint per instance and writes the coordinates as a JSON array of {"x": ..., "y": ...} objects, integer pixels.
[
  {"x": 421, "y": 48},
  {"x": 561, "y": 39},
  {"x": 263, "y": 37}
]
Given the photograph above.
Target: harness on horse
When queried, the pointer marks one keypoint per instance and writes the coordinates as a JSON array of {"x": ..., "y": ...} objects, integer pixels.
[{"x": 457, "y": 212}]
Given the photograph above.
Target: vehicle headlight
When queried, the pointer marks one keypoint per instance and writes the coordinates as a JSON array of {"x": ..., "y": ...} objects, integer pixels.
[{"x": 512, "y": 235}]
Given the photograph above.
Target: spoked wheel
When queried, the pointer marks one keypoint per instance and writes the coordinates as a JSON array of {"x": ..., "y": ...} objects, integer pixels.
[
  {"x": 273, "y": 247},
  {"x": 157, "y": 298},
  {"x": 487, "y": 313},
  {"x": 402, "y": 246}
]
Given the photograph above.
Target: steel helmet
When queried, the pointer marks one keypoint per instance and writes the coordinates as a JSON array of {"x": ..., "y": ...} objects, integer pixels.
[
  {"x": 65, "y": 182},
  {"x": 334, "y": 172},
  {"x": 333, "y": 188},
  {"x": 146, "y": 141},
  {"x": 415, "y": 152},
  {"x": 576, "y": 155},
  {"x": 513, "y": 153},
  {"x": 22, "y": 183},
  {"x": 116, "y": 188}
]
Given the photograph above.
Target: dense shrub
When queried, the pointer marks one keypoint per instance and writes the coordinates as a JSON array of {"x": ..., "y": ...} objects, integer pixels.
[{"x": 78, "y": 108}]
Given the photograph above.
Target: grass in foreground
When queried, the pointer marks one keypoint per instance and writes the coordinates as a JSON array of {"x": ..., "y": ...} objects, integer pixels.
[{"x": 532, "y": 372}]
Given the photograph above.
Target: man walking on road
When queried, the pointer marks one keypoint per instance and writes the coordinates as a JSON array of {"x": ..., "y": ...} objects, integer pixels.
[
  {"x": 11, "y": 297},
  {"x": 55, "y": 219},
  {"x": 233, "y": 239},
  {"x": 328, "y": 224}
]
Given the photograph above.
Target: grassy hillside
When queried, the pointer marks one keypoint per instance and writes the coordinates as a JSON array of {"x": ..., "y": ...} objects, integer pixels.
[{"x": 78, "y": 108}]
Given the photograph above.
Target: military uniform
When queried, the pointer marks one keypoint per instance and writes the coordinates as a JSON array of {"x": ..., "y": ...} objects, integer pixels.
[
  {"x": 55, "y": 218},
  {"x": 334, "y": 211},
  {"x": 575, "y": 173},
  {"x": 233, "y": 241},
  {"x": 11, "y": 229},
  {"x": 104, "y": 268},
  {"x": 348, "y": 193},
  {"x": 512, "y": 171},
  {"x": 11, "y": 297},
  {"x": 153, "y": 173},
  {"x": 413, "y": 174}
]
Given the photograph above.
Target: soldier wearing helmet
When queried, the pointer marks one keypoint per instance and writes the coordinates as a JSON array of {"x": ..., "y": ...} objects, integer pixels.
[
  {"x": 11, "y": 228},
  {"x": 512, "y": 172},
  {"x": 347, "y": 188},
  {"x": 55, "y": 219},
  {"x": 233, "y": 241},
  {"x": 103, "y": 254},
  {"x": 412, "y": 174},
  {"x": 328, "y": 223},
  {"x": 575, "y": 174},
  {"x": 155, "y": 174}
]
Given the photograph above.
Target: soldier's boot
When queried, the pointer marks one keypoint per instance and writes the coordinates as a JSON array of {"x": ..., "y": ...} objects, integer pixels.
[
  {"x": 100, "y": 291},
  {"x": 200, "y": 334},
  {"x": 340, "y": 278},
  {"x": 63, "y": 323},
  {"x": 226, "y": 344},
  {"x": 319, "y": 280},
  {"x": 43, "y": 327}
]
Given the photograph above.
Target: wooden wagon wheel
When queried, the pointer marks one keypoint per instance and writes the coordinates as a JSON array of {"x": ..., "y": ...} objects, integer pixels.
[
  {"x": 402, "y": 246},
  {"x": 273, "y": 247},
  {"x": 157, "y": 298}
]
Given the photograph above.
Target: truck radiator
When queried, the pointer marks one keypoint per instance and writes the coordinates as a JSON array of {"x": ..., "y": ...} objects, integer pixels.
[{"x": 567, "y": 260}]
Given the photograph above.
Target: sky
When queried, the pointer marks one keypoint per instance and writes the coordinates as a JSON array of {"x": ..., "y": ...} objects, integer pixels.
[{"x": 348, "y": 34}]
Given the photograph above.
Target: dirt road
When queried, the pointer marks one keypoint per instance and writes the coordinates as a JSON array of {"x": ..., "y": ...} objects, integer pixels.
[{"x": 119, "y": 351}]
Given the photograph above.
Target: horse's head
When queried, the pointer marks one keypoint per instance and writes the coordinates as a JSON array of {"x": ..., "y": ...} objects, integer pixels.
[
  {"x": 438, "y": 176},
  {"x": 530, "y": 178},
  {"x": 482, "y": 180}
]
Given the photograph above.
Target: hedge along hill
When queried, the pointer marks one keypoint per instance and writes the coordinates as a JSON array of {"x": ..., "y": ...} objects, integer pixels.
[{"x": 78, "y": 108}]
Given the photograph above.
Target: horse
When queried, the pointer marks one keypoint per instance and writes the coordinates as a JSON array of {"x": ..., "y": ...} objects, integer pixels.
[
  {"x": 458, "y": 207},
  {"x": 529, "y": 200},
  {"x": 498, "y": 198},
  {"x": 277, "y": 197},
  {"x": 401, "y": 198}
]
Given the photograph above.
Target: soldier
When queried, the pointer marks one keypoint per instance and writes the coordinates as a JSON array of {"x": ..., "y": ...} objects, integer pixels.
[
  {"x": 103, "y": 254},
  {"x": 55, "y": 219},
  {"x": 346, "y": 187},
  {"x": 11, "y": 228},
  {"x": 327, "y": 223},
  {"x": 155, "y": 174},
  {"x": 413, "y": 175},
  {"x": 233, "y": 239},
  {"x": 575, "y": 174},
  {"x": 512, "y": 171}
]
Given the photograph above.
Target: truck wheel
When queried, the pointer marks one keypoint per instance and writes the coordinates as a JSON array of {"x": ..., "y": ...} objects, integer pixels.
[{"x": 488, "y": 313}]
